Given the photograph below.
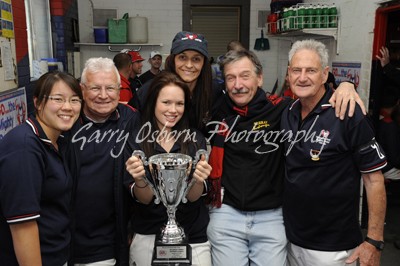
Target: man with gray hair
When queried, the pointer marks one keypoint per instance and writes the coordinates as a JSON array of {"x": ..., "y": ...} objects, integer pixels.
[
  {"x": 246, "y": 222},
  {"x": 93, "y": 152},
  {"x": 325, "y": 160}
]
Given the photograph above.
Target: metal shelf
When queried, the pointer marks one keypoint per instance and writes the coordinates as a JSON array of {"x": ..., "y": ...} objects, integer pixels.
[
  {"x": 318, "y": 33},
  {"x": 315, "y": 33},
  {"x": 110, "y": 45}
]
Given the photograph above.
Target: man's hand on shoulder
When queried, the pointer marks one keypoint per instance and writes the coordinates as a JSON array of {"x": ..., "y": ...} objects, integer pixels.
[{"x": 345, "y": 97}]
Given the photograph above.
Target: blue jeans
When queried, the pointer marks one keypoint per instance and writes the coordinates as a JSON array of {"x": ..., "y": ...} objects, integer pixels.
[{"x": 247, "y": 238}]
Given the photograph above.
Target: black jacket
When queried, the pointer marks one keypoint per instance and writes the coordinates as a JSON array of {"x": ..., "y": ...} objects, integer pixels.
[{"x": 127, "y": 119}]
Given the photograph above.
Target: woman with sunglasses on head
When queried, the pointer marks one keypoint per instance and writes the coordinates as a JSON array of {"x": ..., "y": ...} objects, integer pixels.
[{"x": 35, "y": 186}]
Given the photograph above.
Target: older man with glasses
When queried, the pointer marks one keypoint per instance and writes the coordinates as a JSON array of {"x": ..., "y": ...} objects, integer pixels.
[{"x": 93, "y": 152}]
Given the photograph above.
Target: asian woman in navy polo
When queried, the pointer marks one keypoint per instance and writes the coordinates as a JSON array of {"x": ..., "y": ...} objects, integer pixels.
[{"x": 35, "y": 186}]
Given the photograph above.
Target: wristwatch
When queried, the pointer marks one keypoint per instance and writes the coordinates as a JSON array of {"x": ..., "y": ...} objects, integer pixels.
[{"x": 378, "y": 244}]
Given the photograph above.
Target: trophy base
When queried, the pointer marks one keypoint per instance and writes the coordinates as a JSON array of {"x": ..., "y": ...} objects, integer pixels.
[{"x": 171, "y": 254}]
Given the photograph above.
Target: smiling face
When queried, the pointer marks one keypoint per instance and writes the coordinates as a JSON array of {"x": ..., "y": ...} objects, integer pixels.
[
  {"x": 156, "y": 61},
  {"x": 101, "y": 95},
  {"x": 188, "y": 65},
  {"x": 306, "y": 75},
  {"x": 170, "y": 106},
  {"x": 241, "y": 81},
  {"x": 60, "y": 111}
]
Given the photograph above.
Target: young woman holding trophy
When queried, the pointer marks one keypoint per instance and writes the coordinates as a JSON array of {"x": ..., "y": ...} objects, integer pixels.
[{"x": 165, "y": 130}]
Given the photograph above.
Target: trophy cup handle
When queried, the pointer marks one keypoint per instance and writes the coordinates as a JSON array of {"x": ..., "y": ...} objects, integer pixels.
[
  {"x": 140, "y": 154},
  {"x": 198, "y": 156},
  {"x": 197, "y": 159}
]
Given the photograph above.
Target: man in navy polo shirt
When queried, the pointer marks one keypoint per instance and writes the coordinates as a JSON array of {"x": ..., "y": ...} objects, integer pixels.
[
  {"x": 325, "y": 158},
  {"x": 95, "y": 144}
]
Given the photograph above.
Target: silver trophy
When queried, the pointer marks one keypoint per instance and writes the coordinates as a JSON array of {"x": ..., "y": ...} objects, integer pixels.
[{"x": 170, "y": 184}]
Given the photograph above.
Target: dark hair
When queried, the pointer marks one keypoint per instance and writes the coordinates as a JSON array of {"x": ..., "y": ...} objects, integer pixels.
[
  {"x": 331, "y": 79},
  {"x": 122, "y": 60},
  {"x": 201, "y": 94},
  {"x": 46, "y": 82},
  {"x": 148, "y": 113}
]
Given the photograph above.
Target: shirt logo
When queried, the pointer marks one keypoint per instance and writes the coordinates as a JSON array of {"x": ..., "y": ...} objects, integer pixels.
[
  {"x": 323, "y": 140},
  {"x": 323, "y": 137},
  {"x": 260, "y": 124}
]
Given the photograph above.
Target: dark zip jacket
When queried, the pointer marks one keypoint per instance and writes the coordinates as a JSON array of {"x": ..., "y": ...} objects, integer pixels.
[{"x": 123, "y": 121}]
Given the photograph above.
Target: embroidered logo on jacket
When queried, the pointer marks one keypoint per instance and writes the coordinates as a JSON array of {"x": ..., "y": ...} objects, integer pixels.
[{"x": 260, "y": 124}]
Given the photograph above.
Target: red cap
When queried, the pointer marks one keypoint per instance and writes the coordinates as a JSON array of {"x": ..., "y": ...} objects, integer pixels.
[{"x": 135, "y": 56}]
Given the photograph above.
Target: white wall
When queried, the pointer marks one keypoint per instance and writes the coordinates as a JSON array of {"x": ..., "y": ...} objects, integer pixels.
[
  {"x": 354, "y": 43},
  {"x": 165, "y": 20},
  {"x": 356, "y": 38}
]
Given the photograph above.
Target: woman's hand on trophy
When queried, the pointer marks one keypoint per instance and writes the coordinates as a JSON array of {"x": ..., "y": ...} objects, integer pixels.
[
  {"x": 200, "y": 174},
  {"x": 135, "y": 167},
  {"x": 142, "y": 190},
  {"x": 202, "y": 171}
]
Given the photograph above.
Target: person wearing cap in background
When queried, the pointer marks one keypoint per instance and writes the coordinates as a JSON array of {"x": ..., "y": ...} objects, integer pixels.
[
  {"x": 137, "y": 64},
  {"x": 123, "y": 63},
  {"x": 189, "y": 60},
  {"x": 155, "y": 62},
  {"x": 136, "y": 70}
]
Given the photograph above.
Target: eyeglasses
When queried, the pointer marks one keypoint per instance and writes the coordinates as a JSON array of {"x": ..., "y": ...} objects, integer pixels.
[
  {"x": 74, "y": 101},
  {"x": 97, "y": 89}
]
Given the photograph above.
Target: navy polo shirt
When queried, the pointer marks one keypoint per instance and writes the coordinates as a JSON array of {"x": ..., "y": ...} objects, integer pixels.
[
  {"x": 34, "y": 185},
  {"x": 323, "y": 170},
  {"x": 94, "y": 209}
]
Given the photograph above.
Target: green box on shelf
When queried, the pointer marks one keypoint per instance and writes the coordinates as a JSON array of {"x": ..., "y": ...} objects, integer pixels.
[{"x": 118, "y": 29}]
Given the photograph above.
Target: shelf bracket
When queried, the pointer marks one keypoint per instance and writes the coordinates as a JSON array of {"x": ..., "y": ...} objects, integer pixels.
[{"x": 113, "y": 50}]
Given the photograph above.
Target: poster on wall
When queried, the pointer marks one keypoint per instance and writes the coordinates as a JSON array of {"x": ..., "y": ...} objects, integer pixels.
[
  {"x": 7, "y": 60},
  {"x": 7, "y": 22},
  {"x": 346, "y": 72},
  {"x": 13, "y": 110}
]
